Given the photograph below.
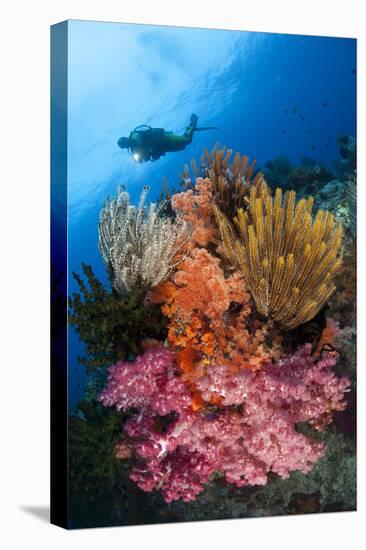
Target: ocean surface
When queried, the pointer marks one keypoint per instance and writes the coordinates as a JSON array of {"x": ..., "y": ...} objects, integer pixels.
[{"x": 268, "y": 94}]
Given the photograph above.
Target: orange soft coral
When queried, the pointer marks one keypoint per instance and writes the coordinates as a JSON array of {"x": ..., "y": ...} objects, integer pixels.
[
  {"x": 196, "y": 207},
  {"x": 244, "y": 348},
  {"x": 202, "y": 287},
  {"x": 210, "y": 319},
  {"x": 328, "y": 336},
  {"x": 164, "y": 294}
]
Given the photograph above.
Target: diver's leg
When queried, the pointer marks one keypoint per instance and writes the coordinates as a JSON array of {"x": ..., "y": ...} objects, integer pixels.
[
  {"x": 188, "y": 134},
  {"x": 174, "y": 142}
]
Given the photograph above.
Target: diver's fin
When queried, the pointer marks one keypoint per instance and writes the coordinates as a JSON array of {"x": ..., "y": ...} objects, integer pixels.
[{"x": 206, "y": 128}]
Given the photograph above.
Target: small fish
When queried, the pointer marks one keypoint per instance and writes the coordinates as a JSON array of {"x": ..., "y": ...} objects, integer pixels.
[
  {"x": 284, "y": 131},
  {"x": 295, "y": 109},
  {"x": 312, "y": 147},
  {"x": 301, "y": 116},
  {"x": 285, "y": 111},
  {"x": 324, "y": 103},
  {"x": 353, "y": 71}
]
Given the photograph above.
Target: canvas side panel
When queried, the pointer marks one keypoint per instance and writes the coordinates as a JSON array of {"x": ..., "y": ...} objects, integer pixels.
[{"x": 59, "y": 35}]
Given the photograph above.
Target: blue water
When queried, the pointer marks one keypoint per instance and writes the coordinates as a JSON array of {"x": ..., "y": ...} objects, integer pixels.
[{"x": 247, "y": 84}]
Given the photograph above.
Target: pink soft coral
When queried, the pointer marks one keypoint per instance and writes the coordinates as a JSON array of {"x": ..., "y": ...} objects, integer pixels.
[
  {"x": 301, "y": 382},
  {"x": 251, "y": 434},
  {"x": 148, "y": 383}
]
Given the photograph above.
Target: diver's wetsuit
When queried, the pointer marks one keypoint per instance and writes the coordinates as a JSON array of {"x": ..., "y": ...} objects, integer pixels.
[{"x": 146, "y": 143}]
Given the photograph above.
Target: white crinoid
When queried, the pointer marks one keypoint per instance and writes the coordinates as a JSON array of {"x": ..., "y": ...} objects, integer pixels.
[{"x": 138, "y": 244}]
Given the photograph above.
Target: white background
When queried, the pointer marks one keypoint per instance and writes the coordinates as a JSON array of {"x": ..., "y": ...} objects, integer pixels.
[{"x": 24, "y": 269}]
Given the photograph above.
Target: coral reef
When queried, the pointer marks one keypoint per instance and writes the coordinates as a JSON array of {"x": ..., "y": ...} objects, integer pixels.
[
  {"x": 333, "y": 196},
  {"x": 287, "y": 259},
  {"x": 217, "y": 379},
  {"x": 182, "y": 450},
  {"x": 329, "y": 487},
  {"x": 116, "y": 500},
  {"x": 138, "y": 245},
  {"x": 351, "y": 195},
  {"x": 332, "y": 187},
  {"x": 112, "y": 327},
  {"x": 348, "y": 152},
  {"x": 343, "y": 302},
  {"x": 305, "y": 178}
]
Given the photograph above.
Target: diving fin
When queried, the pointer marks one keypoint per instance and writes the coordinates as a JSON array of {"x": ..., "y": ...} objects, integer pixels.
[{"x": 206, "y": 128}]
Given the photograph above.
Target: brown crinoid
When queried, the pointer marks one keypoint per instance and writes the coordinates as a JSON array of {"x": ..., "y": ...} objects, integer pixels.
[
  {"x": 231, "y": 175},
  {"x": 287, "y": 257}
]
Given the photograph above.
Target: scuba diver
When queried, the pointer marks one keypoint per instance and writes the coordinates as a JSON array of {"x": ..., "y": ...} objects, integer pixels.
[{"x": 146, "y": 143}]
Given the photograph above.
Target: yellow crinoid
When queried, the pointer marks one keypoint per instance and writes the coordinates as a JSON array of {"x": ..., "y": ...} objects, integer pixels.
[{"x": 287, "y": 257}]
